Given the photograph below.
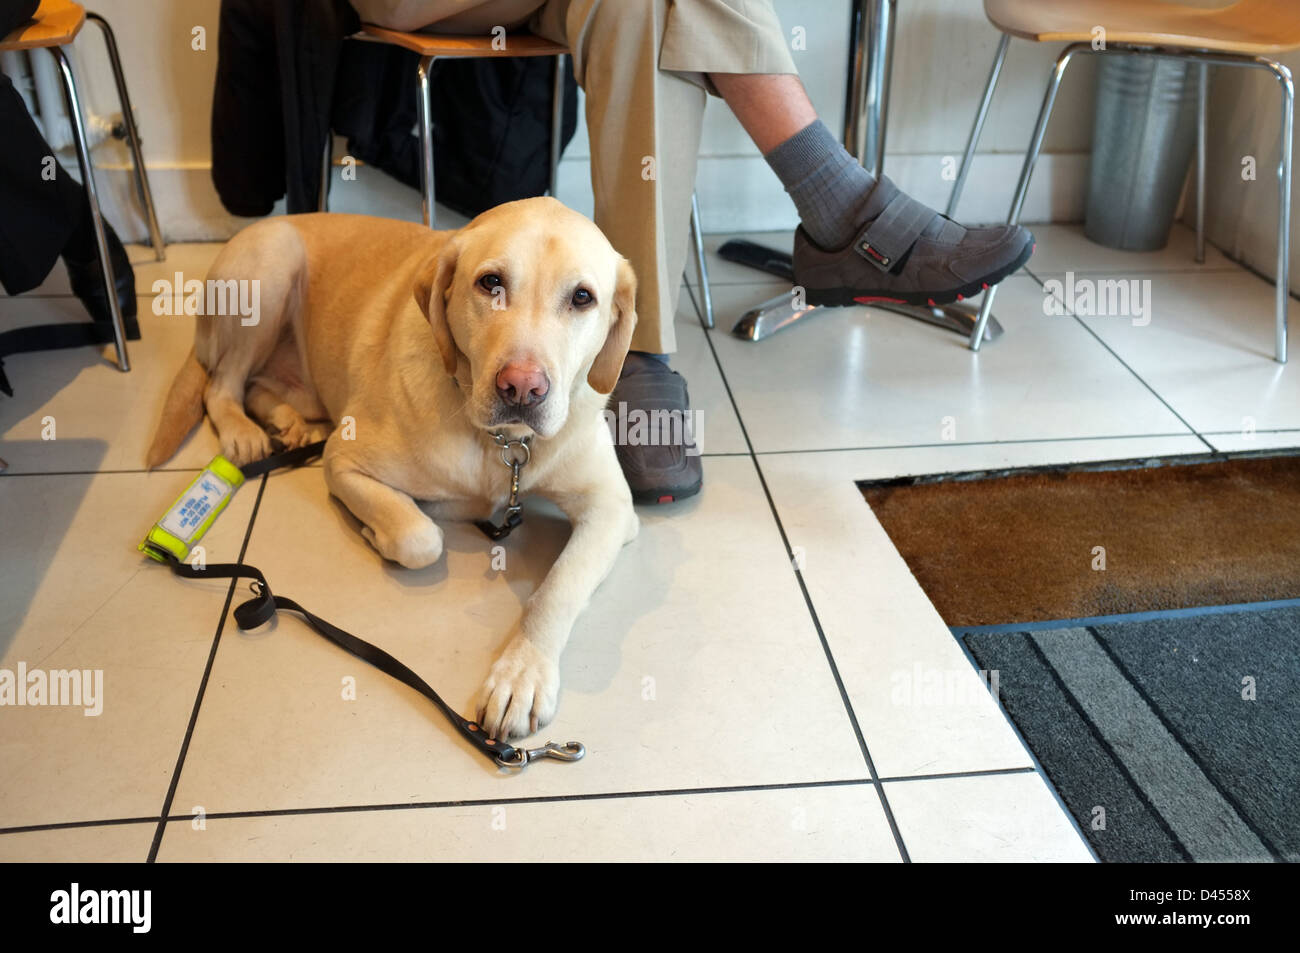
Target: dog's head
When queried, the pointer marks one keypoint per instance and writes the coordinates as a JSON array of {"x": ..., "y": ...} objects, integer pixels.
[{"x": 528, "y": 303}]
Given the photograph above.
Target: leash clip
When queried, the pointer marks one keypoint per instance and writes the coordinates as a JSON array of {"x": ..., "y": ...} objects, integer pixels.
[
  {"x": 569, "y": 751},
  {"x": 515, "y": 453}
]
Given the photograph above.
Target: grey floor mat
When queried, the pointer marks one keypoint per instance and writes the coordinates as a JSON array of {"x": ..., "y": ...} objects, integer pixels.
[{"x": 1168, "y": 739}]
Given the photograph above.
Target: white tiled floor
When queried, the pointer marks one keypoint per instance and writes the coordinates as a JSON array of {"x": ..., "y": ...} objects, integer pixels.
[{"x": 733, "y": 707}]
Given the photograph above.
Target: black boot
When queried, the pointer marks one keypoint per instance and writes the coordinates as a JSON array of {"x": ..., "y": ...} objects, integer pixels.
[{"x": 87, "y": 278}]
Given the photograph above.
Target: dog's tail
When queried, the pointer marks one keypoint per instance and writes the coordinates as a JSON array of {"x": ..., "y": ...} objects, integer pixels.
[{"x": 182, "y": 411}]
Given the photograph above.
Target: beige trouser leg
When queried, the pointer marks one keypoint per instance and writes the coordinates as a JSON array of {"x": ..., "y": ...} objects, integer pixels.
[{"x": 642, "y": 66}]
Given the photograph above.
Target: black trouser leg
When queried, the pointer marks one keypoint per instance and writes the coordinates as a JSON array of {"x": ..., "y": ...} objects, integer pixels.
[{"x": 41, "y": 205}]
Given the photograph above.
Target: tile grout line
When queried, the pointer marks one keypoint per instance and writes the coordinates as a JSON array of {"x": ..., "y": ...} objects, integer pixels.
[
  {"x": 535, "y": 799},
  {"x": 987, "y": 443},
  {"x": 773, "y": 453},
  {"x": 1038, "y": 765},
  {"x": 29, "y": 473},
  {"x": 203, "y": 684},
  {"x": 1097, "y": 337},
  {"x": 812, "y": 611}
]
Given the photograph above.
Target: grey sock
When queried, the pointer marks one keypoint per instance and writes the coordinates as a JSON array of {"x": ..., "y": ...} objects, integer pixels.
[{"x": 827, "y": 184}]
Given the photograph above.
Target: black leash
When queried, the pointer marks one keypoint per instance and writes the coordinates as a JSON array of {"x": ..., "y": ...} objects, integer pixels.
[
  {"x": 264, "y": 605},
  {"x": 285, "y": 458}
]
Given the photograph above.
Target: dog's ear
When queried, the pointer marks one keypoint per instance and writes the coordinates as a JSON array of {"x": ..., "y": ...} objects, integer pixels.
[
  {"x": 609, "y": 362},
  {"x": 432, "y": 286}
]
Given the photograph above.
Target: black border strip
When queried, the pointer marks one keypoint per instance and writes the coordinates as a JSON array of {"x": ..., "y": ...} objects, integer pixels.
[
  {"x": 1153, "y": 615},
  {"x": 203, "y": 684},
  {"x": 1085, "y": 466}
]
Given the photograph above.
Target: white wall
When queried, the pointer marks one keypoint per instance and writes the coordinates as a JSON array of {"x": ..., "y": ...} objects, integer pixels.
[
  {"x": 1245, "y": 121},
  {"x": 944, "y": 49}
]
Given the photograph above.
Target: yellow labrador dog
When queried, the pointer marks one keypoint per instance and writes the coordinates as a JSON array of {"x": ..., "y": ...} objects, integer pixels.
[{"x": 427, "y": 344}]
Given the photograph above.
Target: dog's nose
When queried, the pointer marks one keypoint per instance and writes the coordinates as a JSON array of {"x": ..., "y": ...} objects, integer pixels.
[{"x": 522, "y": 383}]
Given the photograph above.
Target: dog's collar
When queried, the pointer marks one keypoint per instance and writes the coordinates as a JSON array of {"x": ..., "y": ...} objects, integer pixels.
[{"x": 515, "y": 453}]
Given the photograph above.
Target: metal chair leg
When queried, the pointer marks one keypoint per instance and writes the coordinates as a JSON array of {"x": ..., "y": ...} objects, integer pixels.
[
  {"x": 1031, "y": 158},
  {"x": 132, "y": 137},
  {"x": 999, "y": 58},
  {"x": 557, "y": 123},
  {"x": 92, "y": 196},
  {"x": 701, "y": 265},
  {"x": 1202, "y": 99},
  {"x": 882, "y": 69},
  {"x": 424, "y": 103},
  {"x": 866, "y": 102},
  {"x": 855, "y": 94},
  {"x": 1284, "y": 211}
]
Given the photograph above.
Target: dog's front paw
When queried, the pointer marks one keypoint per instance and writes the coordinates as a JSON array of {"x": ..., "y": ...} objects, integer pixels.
[
  {"x": 520, "y": 693},
  {"x": 244, "y": 442},
  {"x": 419, "y": 547}
]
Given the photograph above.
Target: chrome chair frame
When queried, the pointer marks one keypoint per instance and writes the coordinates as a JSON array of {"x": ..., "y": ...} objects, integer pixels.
[
  {"x": 81, "y": 141},
  {"x": 1205, "y": 59}
]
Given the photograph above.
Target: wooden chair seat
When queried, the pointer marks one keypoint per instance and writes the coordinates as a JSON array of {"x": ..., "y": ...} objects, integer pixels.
[
  {"x": 447, "y": 45},
  {"x": 1251, "y": 27},
  {"x": 56, "y": 23}
]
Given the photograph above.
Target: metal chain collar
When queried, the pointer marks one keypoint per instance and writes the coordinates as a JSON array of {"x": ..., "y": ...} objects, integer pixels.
[{"x": 515, "y": 453}]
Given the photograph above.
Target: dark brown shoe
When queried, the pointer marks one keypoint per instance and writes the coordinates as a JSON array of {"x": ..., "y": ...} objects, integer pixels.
[{"x": 654, "y": 433}]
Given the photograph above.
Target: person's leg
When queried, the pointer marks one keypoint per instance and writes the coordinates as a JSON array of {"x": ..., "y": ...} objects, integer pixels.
[
  {"x": 44, "y": 214},
  {"x": 770, "y": 107},
  {"x": 40, "y": 203},
  {"x": 644, "y": 126},
  {"x": 15, "y": 13},
  {"x": 859, "y": 239},
  {"x": 825, "y": 182}
]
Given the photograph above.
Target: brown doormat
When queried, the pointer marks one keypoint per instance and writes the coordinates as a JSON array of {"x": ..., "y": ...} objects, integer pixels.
[{"x": 1030, "y": 545}]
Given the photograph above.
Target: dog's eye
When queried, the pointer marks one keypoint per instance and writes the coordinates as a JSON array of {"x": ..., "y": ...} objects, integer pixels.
[
  {"x": 582, "y": 297},
  {"x": 490, "y": 281}
]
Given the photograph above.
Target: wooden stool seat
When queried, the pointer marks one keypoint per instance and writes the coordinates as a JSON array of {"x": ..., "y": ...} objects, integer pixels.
[
  {"x": 1250, "y": 27},
  {"x": 446, "y": 45},
  {"x": 57, "y": 22}
]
